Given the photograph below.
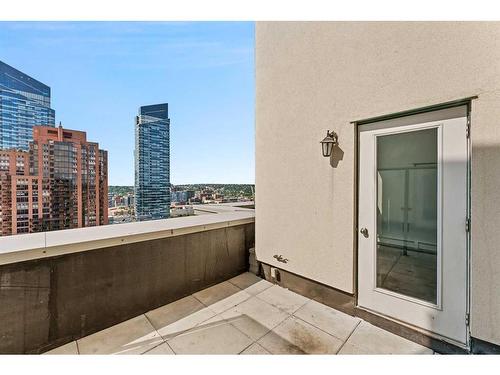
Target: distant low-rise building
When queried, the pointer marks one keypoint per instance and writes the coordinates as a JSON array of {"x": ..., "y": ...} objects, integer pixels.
[
  {"x": 179, "y": 211},
  {"x": 128, "y": 200},
  {"x": 182, "y": 196}
]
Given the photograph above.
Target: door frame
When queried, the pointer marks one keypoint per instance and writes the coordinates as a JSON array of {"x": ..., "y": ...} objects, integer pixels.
[{"x": 431, "y": 108}]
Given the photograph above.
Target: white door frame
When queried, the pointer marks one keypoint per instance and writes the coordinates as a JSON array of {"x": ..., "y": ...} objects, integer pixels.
[{"x": 405, "y": 310}]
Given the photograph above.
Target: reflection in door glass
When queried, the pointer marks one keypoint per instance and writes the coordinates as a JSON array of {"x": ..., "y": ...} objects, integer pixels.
[{"x": 407, "y": 213}]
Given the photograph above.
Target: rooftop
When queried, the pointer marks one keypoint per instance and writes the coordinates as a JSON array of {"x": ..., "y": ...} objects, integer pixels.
[
  {"x": 244, "y": 315},
  {"x": 170, "y": 286}
]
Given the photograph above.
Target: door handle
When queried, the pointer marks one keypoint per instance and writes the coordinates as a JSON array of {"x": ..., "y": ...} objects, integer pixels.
[{"x": 364, "y": 232}]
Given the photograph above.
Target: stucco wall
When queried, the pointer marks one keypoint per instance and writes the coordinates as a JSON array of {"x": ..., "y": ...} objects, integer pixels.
[{"x": 314, "y": 76}]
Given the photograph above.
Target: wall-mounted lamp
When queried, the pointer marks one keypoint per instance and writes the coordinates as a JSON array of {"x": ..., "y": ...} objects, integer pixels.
[{"x": 328, "y": 142}]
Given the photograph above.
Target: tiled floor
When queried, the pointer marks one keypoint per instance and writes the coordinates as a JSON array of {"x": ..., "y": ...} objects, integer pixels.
[
  {"x": 412, "y": 274},
  {"x": 244, "y": 315}
]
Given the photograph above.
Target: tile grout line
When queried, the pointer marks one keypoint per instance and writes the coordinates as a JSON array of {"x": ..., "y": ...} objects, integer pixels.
[
  {"x": 227, "y": 309},
  {"x": 303, "y": 320},
  {"x": 328, "y": 333},
  {"x": 289, "y": 313},
  {"x": 170, "y": 346},
  {"x": 199, "y": 324},
  {"x": 390, "y": 270},
  {"x": 272, "y": 331},
  {"x": 239, "y": 330},
  {"x": 166, "y": 340},
  {"x": 192, "y": 295},
  {"x": 348, "y": 337},
  {"x": 245, "y": 348},
  {"x": 77, "y": 347},
  {"x": 251, "y": 295},
  {"x": 260, "y": 279},
  {"x": 279, "y": 308},
  {"x": 154, "y": 347},
  {"x": 255, "y": 341},
  {"x": 229, "y": 281},
  {"x": 161, "y": 337}
]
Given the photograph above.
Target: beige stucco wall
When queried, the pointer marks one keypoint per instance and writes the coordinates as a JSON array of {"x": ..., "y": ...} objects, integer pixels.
[{"x": 314, "y": 76}]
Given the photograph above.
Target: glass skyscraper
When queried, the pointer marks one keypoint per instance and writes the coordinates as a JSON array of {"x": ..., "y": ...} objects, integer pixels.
[
  {"x": 24, "y": 103},
  {"x": 152, "y": 163}
]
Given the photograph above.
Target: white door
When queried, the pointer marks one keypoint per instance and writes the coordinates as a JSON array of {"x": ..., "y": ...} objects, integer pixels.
[{"x": 412, "y": 239}]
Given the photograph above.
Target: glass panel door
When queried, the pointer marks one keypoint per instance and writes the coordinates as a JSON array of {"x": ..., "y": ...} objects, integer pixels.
[
  {"x": 412, "y": 210},
  {"x": 407, "y": 188}
]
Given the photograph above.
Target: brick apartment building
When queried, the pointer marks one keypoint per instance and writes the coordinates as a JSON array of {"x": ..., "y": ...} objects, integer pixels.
[{"x": 61, "y": 183}]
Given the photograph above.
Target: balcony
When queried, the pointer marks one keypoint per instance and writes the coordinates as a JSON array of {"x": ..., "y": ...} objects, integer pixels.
[
  {"x": 244, "y": 315},
  {"x": 176, "y": 286},
  {"x": 59, "y": 286}
]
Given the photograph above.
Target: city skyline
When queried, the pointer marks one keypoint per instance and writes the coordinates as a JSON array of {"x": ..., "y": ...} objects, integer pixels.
[{"x": 203, "y": 70}]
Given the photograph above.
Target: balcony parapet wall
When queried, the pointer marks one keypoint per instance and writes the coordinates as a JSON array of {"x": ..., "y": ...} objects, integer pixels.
[{"x": 56, "y": 287}]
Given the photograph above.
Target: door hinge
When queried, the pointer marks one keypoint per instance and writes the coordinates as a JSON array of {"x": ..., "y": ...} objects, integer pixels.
[
  {"x": 467, "y": 225},
  {"x": 467, "y": 319},
  {"x": 467, "y": 129}
]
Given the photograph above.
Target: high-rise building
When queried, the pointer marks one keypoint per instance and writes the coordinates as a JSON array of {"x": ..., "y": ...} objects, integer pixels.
[
  {"x": 152, "y": 162},
  {"x": 18, "y": 194},
  {"x": 24, "y": 103},
  {"x": 61, "y": 183}
]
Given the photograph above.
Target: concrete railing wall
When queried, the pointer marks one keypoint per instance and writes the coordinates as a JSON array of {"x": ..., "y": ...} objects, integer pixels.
[{"x": 53, "y": 300}]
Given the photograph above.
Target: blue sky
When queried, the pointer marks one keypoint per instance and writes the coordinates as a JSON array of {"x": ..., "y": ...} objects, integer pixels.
[{"x": 101, "y": 72}]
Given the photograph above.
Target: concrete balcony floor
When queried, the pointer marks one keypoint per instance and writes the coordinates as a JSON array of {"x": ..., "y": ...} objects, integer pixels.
[{"x": 244, "y": 315}]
